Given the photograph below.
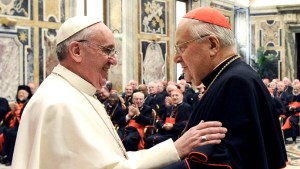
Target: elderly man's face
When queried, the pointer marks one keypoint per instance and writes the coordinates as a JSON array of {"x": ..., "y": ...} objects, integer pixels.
[
  {"x": 152, "y": 88},
  {"x": 143, "y": 89},
  {"x": 296, "y": 90},
  {"x": 95, "y": 60},
  {"x": 176, "y": 97},
  {"x": 22, "y": 95},
  {"x": 128, "y": 90},
  {"x": 280, "y": 86},
  {"x": 138, "y": 100},
  {"x": 194, "y": 56}
]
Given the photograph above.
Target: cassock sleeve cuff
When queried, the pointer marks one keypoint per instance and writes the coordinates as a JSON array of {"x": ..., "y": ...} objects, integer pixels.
[{"x": 210, "y": 155}]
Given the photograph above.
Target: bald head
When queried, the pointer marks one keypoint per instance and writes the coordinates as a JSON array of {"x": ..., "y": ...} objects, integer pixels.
[{"x": 143, "y": 88}]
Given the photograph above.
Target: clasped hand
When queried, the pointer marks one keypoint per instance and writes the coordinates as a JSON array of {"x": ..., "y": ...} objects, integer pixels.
[
  {"x": 167, "y": 126},
  {"x": 133, "y": 111}
]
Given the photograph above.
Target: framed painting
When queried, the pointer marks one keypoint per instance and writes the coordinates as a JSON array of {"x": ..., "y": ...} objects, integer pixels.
[
  {"x": 153, "y": 61},
  {"x": 153, "y": 17}
]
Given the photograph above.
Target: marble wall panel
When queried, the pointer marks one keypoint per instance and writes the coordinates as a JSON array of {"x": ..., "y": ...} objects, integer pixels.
[
  {"x": 270, "y": 32},
  {"x": 115, "y": 73},
  {"x": 52, "y": 11},
  {"x": 15, "y": 63},
  {"x": 253, "y": 39},
  {"x": 115, "y": 16}
]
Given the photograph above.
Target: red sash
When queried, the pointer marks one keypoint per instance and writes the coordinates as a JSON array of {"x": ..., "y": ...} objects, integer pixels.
[
  {"x": 295, "y": 104},
  {"x": 170, "y": 120},
  {"x": 287, "y": 124},
  {"x": 140, "y": 129}
]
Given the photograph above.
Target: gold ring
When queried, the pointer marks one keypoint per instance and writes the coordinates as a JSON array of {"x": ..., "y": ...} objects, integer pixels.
[{"x": 203, "y": 138}]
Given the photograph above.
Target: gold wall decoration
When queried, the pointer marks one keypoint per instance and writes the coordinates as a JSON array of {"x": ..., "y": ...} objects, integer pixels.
[
  {"x": 18, "y": 8},
  {"x": 153, "y": 17}
]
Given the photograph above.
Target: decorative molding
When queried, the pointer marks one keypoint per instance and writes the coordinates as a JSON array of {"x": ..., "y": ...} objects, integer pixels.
[{"x": 8, "y": 21}]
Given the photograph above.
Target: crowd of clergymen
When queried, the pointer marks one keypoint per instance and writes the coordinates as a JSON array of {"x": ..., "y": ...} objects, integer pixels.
[{"x": 147, "y": 114}]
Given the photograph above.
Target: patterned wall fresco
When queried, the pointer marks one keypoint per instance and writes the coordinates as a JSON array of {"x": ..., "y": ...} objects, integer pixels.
[
  {"x": 270, "y": 32},
  {"x": 17, "y": 8},
  {"x": 27, "y": 41},
  {"x": 153, "y": 17}
]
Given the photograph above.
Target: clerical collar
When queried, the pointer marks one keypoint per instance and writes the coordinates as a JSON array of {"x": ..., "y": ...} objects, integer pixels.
[
  {"x": 141, "y": 108},
  {"x": 208, "y": 79},
  {"x": 175, "y": 105},
  {"x": 75, "y": 80}
]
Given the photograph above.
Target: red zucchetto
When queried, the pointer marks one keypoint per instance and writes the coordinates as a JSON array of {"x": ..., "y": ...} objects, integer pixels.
[{"x": 209, "y": 15}]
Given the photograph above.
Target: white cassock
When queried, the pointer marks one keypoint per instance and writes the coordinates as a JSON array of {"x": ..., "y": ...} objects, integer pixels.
[{"x": 64, "y": 127}]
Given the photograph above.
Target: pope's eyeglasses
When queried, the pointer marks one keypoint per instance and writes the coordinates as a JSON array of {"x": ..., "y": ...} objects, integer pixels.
[{"x": 110, "y": 52}]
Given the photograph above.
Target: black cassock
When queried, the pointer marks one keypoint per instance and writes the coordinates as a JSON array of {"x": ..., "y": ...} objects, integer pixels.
[
  {"x": 129, "y": 134},
  {"x": 239, "y": 99},
  {"x": 116, "y": 113},
  {"x": 181, "y": 113},
  {"x": 293, "y": 119}
]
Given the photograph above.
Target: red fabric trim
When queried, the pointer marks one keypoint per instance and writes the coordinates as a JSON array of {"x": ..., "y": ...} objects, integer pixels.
[
  {"x": 203, "y": 158},
  {"x": 6, "y": 116},
  {"x": 295, "y": 104},
  {"x": 287, "y": 124},
  {"x": 187, "y": 163},
  {"x": 220, "y": 165},
  {"x": 198, "y": 157},
  {"x": 1, "y": 141},
  {"x": 170, "y": 120}
]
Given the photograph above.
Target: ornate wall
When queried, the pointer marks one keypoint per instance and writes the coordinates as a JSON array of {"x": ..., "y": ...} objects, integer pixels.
[
  {"x": 274, "y": 28},
  {"x": 27, "y": 41},
  {"x": 144, "y": 31},
  {"x": 144, "y": 34}
]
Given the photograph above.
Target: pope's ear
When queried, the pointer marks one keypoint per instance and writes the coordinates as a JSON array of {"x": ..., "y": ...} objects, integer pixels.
[{"x": 75, "y": 51}]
